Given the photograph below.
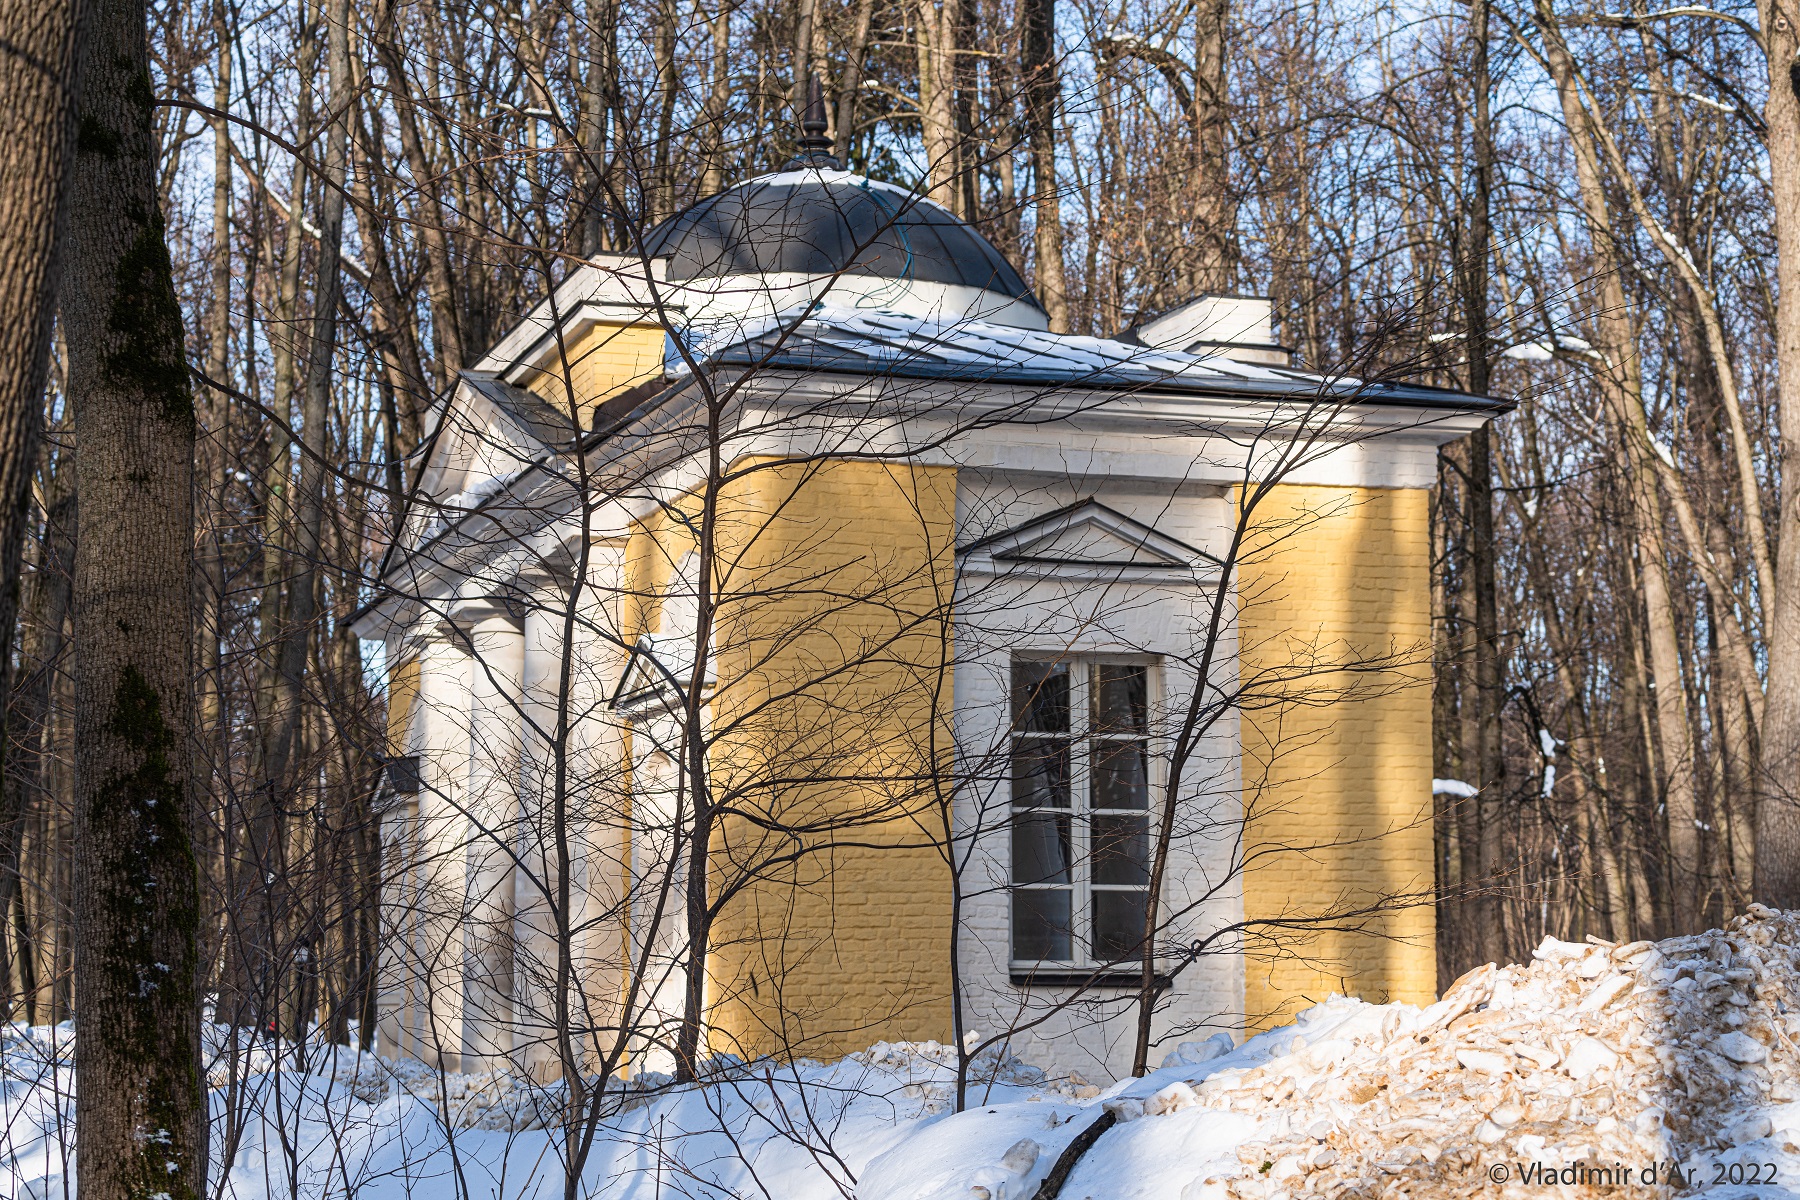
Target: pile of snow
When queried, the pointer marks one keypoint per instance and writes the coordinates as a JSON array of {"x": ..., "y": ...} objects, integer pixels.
[
  {"x": 1673, "y": 1062},
  {"x": 1645, "y": 1069},
  {"x": 466, "y": 1100}
]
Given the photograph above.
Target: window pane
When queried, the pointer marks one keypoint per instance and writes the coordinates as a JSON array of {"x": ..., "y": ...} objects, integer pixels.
[
  {"x": 1040, "y": 848},
  {"x": 1041, "y": 925},
  {"x": 1121, "y": 850},
  {"x": 1040, "y": 773},
  {"x": 1120, "y": 699},
  {"x": 1121, "y": 775},
  {"x": 1118, "y": 924},
  {"x": 1040, "y": 697}
]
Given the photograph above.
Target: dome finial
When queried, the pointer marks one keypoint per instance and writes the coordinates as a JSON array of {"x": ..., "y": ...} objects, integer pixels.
[{"x": 815, "y": 143}]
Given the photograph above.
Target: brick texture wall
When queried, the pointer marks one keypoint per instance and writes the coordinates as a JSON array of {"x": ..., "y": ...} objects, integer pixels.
[
  {"x": 834, "y": 668},
  {"x": 603, "y": 361},
  {"x": 403, "y": 693},
  {"x": 834, "y": 682},
  {"x": 1335, "y": 629}
]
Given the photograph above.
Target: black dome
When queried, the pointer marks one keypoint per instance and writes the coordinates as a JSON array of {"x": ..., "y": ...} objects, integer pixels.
[{"x": 815, "y": 223}]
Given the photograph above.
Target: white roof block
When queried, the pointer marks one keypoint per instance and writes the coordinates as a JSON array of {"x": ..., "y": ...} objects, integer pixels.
[{"x": 1212, "y": 321}]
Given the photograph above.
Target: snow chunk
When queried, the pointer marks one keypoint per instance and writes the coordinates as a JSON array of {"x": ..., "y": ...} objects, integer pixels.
[
  {"x": 1588, "y": 1056},
  {"x": 1192, "y": 1054},
  {"x": 1740, "y": 1047},
  {"x": 1645, "y": 1052},
  {"x": 1529, "y": 352},
  {"x": 1488, "y": 1062}
]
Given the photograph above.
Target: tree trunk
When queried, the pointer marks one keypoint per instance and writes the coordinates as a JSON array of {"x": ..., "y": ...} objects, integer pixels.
[
  {"x": 718, "y": 100},
  {"x": 1446, "y": 744},
  {"x": 405, "y": 388},
  {"x": 30, "y": 708},
  {"x": 209, "y": 627},
  {"x": 1471, "y": 940},
  {"x": 934, "y": 45},
  {"x": 140, "y": 1097},
  {"x": 850, "y": 84},
  {"x": 297, "y": 628},
  {"x": 447, "y": 318},
  {"x": 38, "y": 86},
  {"x": 1038, "y": 67},
  {"x": 806, "y": 14},
  {"x": 1778, "y": 804},
  {"x": 1581, "y": 749},
  {"x": 968, "y": 86},
  {"x": 1622, "y": 388},
  {"x": 1214, "y": 210},
  {"x": 315, "y": 408},
  {"x": 599, "y": 88},
  {"x": 668, "y": 91},
  {"x": 253, "y": 832},
  {"x": 1490, "y": 763}
]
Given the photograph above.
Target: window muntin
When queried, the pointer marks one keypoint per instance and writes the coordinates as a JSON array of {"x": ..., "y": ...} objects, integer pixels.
[{"x": 1080, "y": 759}]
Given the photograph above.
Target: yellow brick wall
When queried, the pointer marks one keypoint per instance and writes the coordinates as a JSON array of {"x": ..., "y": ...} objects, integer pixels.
[
  {"x": 832, "y": 661},
  {"x": 603, "y": 360},
  {"x": 403, "y": 690},
  {"x": 834, "y": 667},
  {"x": 1335, "y": 577}
]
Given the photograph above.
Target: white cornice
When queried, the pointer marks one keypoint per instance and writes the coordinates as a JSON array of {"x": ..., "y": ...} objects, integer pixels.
[{"x": 1160, "y": 436}]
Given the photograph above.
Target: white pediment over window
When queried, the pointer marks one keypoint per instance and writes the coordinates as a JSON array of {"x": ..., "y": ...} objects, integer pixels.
[
  {"x": 660, "y": 668},
  {"x": 1088, "y": 540},
  {"x": 657, "y": 675}
]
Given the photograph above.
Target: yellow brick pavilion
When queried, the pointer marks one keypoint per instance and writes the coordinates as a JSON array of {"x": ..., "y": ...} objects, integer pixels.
[{"x": 792, "y": 549}]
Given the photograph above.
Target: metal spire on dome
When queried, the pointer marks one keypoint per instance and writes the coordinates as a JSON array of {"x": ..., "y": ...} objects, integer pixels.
[{"x": 815, "y": 143}]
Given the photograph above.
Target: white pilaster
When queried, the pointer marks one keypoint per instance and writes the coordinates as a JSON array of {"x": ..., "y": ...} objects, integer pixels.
[{"x": 599, "y": 744}]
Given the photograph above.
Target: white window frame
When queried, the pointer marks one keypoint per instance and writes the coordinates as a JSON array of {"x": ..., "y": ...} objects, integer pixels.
[{"x": 1081, "y": 887}]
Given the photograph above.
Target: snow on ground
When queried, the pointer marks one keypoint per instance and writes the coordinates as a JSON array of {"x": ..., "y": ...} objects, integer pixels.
[
  {"x": 1648, "y": 1069},
  {"x": 344, "y": 1123}
]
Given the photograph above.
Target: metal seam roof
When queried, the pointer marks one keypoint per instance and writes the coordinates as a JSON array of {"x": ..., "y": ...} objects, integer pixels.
[{"x": 875, "y": 342}]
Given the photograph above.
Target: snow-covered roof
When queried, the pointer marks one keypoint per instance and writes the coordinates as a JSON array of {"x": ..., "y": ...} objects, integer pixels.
[{"x": 878, "y": 342}]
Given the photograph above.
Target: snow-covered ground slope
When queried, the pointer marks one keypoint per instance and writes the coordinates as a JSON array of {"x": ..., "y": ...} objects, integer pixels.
[{"x": 1648, "y": 1069}]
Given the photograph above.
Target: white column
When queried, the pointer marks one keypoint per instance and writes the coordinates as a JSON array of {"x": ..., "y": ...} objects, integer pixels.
[
  {"x": 492, "y": 806},
  {"x": 396, "y": 976},
  {"x": 427, "y": 922},
  {"x": 538, "y": 871},
  {"x": 588, "y": 820}
]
